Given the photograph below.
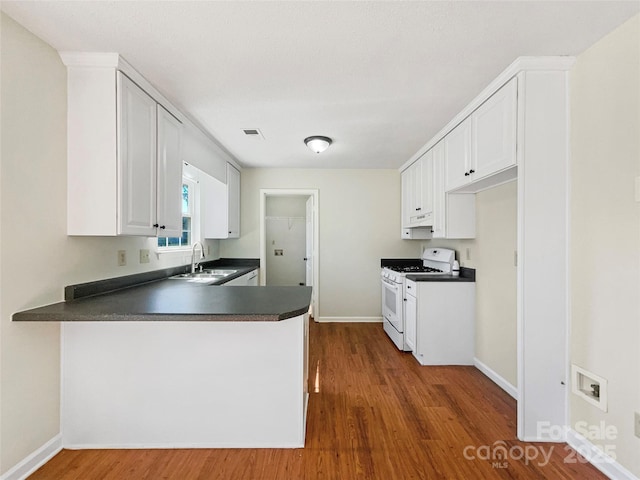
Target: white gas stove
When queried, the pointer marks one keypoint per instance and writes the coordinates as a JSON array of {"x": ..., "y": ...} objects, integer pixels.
[{"x": 435, "y": 261}]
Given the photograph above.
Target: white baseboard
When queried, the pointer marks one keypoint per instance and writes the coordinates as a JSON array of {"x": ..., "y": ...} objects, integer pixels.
[
  {"x": 349, "y": 320},
  {"x": 597, "y": 457},
  {"x": 35, "y": 460},
  {"x": 496, "y": 378}
]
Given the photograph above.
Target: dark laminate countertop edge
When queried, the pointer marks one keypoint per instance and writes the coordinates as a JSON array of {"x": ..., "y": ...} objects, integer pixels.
[
  {"x": 467, "y": 275},
  {"x": 27, "y": 316},
  {"x": 109, "y": 285},
  {"x": 176, "y": 300}
]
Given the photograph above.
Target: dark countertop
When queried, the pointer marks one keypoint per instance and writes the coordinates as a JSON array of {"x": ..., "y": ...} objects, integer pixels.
[
  {"x": 164, "y": 299},
  {"x": 466, "y": 275}
]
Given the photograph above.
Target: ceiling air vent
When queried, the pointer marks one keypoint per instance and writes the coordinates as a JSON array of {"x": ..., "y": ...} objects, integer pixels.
[{"x": 253, "y": 133}]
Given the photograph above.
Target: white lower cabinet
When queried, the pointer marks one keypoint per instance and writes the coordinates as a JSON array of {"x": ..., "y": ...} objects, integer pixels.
[
  {"x": 410, "y": 314},
  {"x": 445, "y": 323}
]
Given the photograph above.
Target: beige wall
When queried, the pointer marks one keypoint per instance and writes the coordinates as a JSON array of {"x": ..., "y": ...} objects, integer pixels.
[
  {"x": 492, "y": 254},
  {"x": 37, "y": 258},
  {"x": 605, "y": 231},
  {"x": 359, "y": 224}
]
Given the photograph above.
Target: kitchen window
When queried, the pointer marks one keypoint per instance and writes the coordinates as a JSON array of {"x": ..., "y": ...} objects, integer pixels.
[{"x": 189, "y": 219}]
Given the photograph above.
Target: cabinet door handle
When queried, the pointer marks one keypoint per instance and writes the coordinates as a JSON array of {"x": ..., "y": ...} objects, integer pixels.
[
  {"x": 409, "y": 287},
  {"x": 466, "y": 174},
  {"x": 472, "y": 171},
  {"x": 418, "y": 209},
  {"x": 162, "y": 227},
  {"x": 404, "y": 299},
  {"x": 155, "y": 225}
]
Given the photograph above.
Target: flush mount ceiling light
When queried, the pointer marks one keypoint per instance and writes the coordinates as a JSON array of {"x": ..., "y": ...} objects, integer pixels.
[{"x": 317, "y": 143}]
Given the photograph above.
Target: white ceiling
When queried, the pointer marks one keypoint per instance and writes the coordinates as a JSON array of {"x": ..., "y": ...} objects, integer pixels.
[{"x": 380, "y": 78}]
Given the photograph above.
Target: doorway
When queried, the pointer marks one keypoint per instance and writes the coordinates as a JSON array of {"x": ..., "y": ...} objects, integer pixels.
[{"x": 289, "y": 239}]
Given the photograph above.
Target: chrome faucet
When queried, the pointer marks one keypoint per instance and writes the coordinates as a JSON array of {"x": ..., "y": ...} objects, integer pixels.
[{"x": 194, "y": 264}]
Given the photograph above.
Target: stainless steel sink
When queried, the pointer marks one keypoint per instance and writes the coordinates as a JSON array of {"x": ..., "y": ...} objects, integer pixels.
[
  {"x": 222, "y": 273},
  {"x": 198, "y": 277},
  {"x": 206, "y": 276}
]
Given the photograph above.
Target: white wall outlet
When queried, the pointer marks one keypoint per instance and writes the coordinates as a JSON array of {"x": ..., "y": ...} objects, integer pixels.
[
  {"x": 144, "y": 255},
  {"x": 122, "y": 258},
  {"x": 636, "y": 428}
]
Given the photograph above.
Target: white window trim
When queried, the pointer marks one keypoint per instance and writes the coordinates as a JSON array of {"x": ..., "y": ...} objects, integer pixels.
[{"x": 195, "y": 221}]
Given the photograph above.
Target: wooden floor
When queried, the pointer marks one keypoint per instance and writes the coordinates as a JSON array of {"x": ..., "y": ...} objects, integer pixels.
[{"x": 374, "y": 413}]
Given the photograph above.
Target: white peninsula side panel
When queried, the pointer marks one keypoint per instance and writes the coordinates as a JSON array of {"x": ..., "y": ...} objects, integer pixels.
[{"x": 185, "y": 384}]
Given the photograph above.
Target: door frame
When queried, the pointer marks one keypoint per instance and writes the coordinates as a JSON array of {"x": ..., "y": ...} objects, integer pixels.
[{"x": 283, "y": 192}]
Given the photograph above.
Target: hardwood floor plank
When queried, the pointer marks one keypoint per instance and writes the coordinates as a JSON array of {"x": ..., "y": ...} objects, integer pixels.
[{"x": 376, "y": 414}]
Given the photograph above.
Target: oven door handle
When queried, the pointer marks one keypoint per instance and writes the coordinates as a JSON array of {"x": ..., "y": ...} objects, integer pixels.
[{"x": 390, "y": 283}]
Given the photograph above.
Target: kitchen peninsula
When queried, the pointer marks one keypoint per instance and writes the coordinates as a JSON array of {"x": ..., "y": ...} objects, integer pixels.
[{"x": 174, "y": 364}]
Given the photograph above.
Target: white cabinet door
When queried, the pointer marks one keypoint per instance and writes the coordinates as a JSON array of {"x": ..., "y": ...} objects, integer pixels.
[
  {"x": 233, "y": 186},
  {"x": 220, "y": 206},
  {"x": 406, "y": 198},
  {"x": 426, "y": 191},
  {"x": 458, "y": 151},
  {"x": 169, "y": 218},
  {"x": 417, "y": 193},
  {"x": 410, "y": 315},
  {"x": 213, "y": 207},
  {"x": 136, "y": 159},
  {"x": 494, "y": 132},
  {"x": 439, "y": 201}
]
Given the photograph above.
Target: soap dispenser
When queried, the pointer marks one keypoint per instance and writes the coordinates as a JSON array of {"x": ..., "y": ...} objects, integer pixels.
[{"x": 455, "y": 270}]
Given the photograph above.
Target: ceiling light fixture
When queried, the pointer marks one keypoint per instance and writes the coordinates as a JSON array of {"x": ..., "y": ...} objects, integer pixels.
[{"x": 318, "y": 143}]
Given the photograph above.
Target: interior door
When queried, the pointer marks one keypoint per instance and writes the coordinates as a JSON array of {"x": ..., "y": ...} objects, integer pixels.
[
  {"x": 309, "y": 243},
  {"x": 309, "y": 251}
]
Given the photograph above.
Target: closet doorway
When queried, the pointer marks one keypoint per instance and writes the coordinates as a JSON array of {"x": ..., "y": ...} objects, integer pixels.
[{"x": 289, "y": 239}]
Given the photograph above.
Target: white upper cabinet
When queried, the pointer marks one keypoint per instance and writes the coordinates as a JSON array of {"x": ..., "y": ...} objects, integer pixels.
[
  {"x": 453, "y": 213},
  {"x": 169, "y": 217},
  {"x": 149, "y": 164},
  {"x": 220, "y": 209},
  {"x": 233, "y": 186},
  {"x": 124, "y": 162},
  {"x": 136, "y": 158},
  {"x": 484, "y": 143},
  {"x": 458, "y": 155},
  {"x": 417, "y": 193},
  {"x": 494, "y": 132},
  {"x": 439, "y": 201}
]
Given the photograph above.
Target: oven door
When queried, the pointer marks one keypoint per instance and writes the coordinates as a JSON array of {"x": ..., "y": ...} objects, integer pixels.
[{"x": 392, "y": 304}]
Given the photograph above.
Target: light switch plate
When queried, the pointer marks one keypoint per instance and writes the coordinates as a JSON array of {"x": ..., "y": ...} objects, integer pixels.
[
  {"x": 636, "y": 428},
  {"x": 122, "y": 258}
]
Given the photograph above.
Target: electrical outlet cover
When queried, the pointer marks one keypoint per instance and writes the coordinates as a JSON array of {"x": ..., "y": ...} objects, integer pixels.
[
  {"x": 122, "y": 258},
  {"x": 144, "y": 256},
  {"x": 636, "y": 428}
]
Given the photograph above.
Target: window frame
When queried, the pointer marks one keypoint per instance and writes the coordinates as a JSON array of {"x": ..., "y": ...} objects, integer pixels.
[{"x": 194, "y": 214}]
